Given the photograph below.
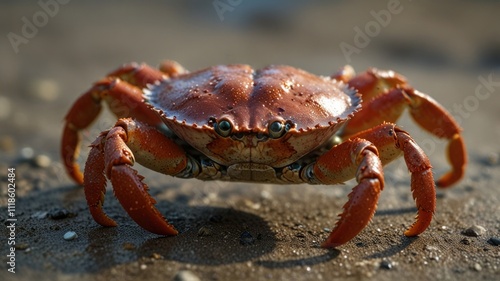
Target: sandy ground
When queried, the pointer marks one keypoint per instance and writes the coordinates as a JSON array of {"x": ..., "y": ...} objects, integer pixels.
[{"x": 235, "y": 231}]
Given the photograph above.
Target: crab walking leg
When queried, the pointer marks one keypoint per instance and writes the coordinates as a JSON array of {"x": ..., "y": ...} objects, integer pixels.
[
  {"x": 113, "y": 154},
  {"x": 426, "y": 112},
  {"x": 355, "y": 157},
  {"x": 430, "y": 115},
  {"x": 122, "y": 90},
  {"x": 391, "y": 141}
]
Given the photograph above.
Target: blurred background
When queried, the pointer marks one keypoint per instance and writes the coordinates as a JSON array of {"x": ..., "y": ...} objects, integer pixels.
[{"x": 52, "y": 51}]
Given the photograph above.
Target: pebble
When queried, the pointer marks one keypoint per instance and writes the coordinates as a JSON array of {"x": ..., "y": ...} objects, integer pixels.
[
  {"x": 495, "y": 241},
  {"x": 492, "y": 159},
  {"x": 465, "y": 241},
  {"x": 474, "y": 231},
  {"x": 266, "y": 195},
  {"x": 246, "y": 238},
  {"x": 186, "y": 275},
  {"x": 156, "y": 256},
  {"x": 42, "y": 161},
  {"x": 39, "y": 215},
  {"x": 204, "y": 231},
  {"x": 385, "y": 264},
  {"x": 58, "y": 213},
  {"x": 27, "y": 153},
  {"x": 70, "y": 235},
  {"x": 477, "y": 267}
]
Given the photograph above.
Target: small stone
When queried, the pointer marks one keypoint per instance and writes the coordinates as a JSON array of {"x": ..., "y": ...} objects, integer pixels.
[
  {"x": 465, "y": 241},
  {"x": 266, "y": 195},
  {"x": 186, "y": 275},
  {"x": 492, "y": 159},
  {"x": 27, "y": 153},
  {"x": 42, "y": 161},
  {"x": 204, "y": 231},
  {"x": 143, "y": 267},
  {"x": 443, "y": 228},
  {"x": 385, "y": 264},
  {"x": 58, "y": 213},
  {"x": 70, "y": 235},
  {"x": 474, "y": 231},
  {"x": 39, "y": 215},
  {"x": 156, "y": 256},
  {"x": 495, "y": 241},
  {"x": 477, "y": 267},
  {"x": 246, "y": 238}
]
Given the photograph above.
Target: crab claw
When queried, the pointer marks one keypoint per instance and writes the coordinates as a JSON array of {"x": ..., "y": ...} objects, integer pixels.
[
  {"x": 358, "y": 212},
  {"x": 135, "y": 199},
  {"x": 360, "y": 157},
  {"x": 112, "y": 157}
]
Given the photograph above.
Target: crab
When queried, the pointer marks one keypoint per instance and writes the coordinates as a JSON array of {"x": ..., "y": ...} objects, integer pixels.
[{"x": 278, "y": 124}]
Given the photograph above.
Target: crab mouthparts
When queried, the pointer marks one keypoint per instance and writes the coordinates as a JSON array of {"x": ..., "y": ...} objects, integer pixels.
[{"x": 251, "y": 172}]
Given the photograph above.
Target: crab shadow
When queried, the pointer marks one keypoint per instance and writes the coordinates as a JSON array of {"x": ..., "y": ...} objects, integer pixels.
[{"x": 208, "y": 235}]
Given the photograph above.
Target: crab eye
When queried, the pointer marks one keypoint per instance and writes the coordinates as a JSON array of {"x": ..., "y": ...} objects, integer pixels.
[
  {"x": 278, "y": 129},
  {"x": 223, "y": 128}
]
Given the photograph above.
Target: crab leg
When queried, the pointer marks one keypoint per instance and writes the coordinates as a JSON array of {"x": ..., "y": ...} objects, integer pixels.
[
  {"x": 112, "y": 154},
  {"x": 391, "y": 141},
  {"x": 434, "y": 118},
  {"x": 385, "y": 97},
  {"x": 357, "y": 157},
  {"x": 122, "y": 90}
]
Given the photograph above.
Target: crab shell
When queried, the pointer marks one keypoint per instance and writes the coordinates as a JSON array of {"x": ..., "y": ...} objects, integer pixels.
[{"x": 313, "y": 108}]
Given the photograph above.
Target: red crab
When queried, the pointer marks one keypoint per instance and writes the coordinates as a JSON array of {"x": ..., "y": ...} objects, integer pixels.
[{"x": 278, "y": 124}]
